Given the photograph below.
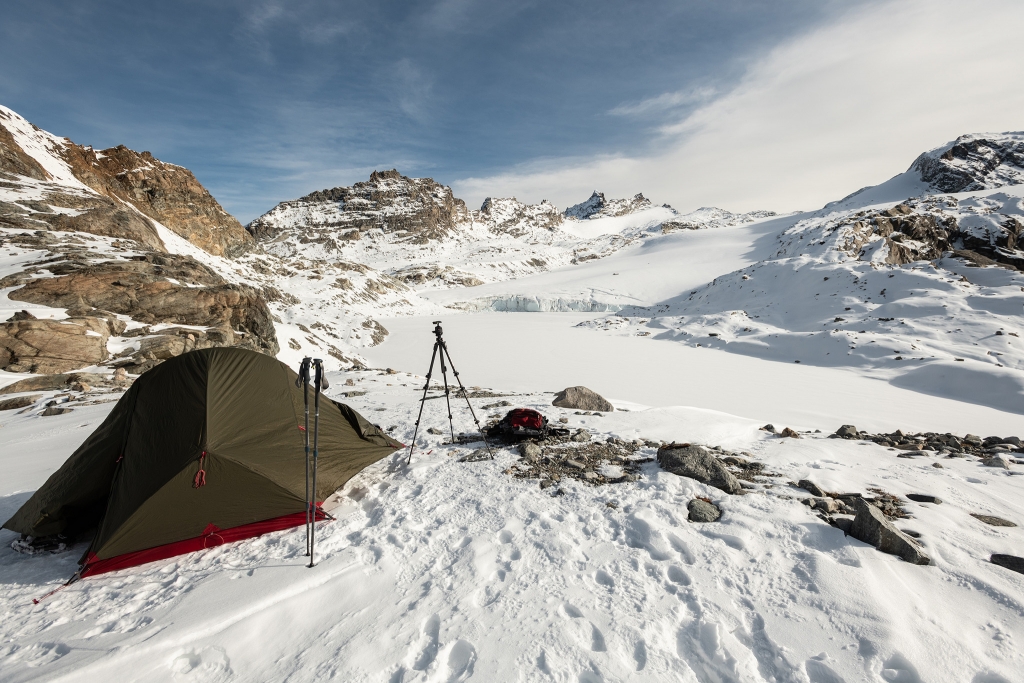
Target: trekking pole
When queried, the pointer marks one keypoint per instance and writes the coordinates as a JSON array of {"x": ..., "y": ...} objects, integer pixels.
[
  {"x": 319, "y": 383},
  {"x": 303, "y": 381}
]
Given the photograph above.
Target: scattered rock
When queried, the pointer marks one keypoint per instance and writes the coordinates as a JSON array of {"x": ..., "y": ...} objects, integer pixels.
[
  {"x": 811, "y": 487},
  {"x": 768, "y": 428},
  {"x": 55, "y": 410},
  {"x": 847, "y": 432},
  {"x": 701, "y": 510},
  {"x": 844, "y": 524},
  {"x": 824, "y": 504},
  {"x": 19, "y": 402},
  {"x": 120, "y": 375},
  {"x": 430, "y": 430},
  {"x": 21, "y": 315},
  {"x": 1011, "y": 562},
  {"x": 529, "y": 450},
  {"x": 997, "y": 461},
  {"x": 697, "y": 462},
  {"x": 992, "y": 520},
  {"x": 924, "y": 498},
  {"x": 581, "y": 436},
  {"x": 563, "y": 420},
  {"x": 789, "y": 433},
  {"x": 871, "y": 526},
  {"x": 581, "y": 398}
]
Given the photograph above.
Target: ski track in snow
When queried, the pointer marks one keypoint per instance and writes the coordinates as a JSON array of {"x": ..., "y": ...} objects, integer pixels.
[{"x": 448, "y": 571}]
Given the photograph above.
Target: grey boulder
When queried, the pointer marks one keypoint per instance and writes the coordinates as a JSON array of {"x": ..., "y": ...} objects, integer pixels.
[
  {"x": 702, "y": 511},
  {"x": 581, "y": 398},
  {"x": 697, "y": 462},
  {"x": 871, "y": 526}
]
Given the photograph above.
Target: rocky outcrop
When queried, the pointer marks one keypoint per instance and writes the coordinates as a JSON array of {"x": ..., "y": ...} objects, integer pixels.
[
  {"x": 92, "y": 214},
  {"x": 701, "y": 510},
  {"x": 155, "y": 288},
  {"x": 165, "y": 192},
  {"x": 871, "y": 526},
  {"x": 974, "y": 162},
  {"x": 510, "y": 216},
  {"x": 445, "y": 276},
  {"x": 415, "y": 209},
  {"x": 697, "y": 462},
  {"x": 52, "y": 346},
  {"x": 582, "y": 398}
]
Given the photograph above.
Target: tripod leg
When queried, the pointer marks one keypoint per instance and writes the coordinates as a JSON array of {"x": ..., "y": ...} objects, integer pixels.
[
  {"x": 423, "y": 401},
  {"x": 447, "y": 399},
  {"x": 465, "y": 394}
]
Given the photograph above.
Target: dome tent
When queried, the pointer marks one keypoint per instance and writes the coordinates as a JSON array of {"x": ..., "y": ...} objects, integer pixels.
[{"x": 235, "y": 414}]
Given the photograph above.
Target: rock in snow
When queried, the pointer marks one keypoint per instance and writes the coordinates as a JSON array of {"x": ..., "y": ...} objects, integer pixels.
[
  {"x": 871, "y": 526},
  {"x": 697, "y": 462},
  {"x": 702, "y": 511},
  {"x": 581, "y": 398},
  {"x": 1011, "y": 562}
]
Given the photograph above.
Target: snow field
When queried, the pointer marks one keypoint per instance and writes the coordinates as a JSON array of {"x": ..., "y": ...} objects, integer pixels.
[{"x": 446, "y": 571}]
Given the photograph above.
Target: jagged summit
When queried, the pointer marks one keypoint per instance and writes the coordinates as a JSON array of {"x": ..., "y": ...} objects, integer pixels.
[
  {"x": 597, "y": 206},
  {"x": 511, "y": 217},
  {"x": 981, "y": 161}
]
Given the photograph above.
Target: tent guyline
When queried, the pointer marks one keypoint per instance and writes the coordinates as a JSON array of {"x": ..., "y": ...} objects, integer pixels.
[
  {"x": 441, "y": 353},
  {"x": 319, "y": 383}
]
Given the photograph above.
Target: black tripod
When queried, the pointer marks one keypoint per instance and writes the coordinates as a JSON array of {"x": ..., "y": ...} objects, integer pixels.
[
  {"x": 319, "y": 383},
  {"x": 441, "y": 351}
]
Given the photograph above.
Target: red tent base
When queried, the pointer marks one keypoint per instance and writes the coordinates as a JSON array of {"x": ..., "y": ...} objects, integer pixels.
[{"x": 212, "y": 537}]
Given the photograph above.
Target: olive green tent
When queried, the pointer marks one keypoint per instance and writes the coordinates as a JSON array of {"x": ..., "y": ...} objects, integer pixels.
[{"x": 234, "y": 414}]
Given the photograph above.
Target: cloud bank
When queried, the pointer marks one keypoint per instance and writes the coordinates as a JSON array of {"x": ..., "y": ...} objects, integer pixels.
[{"x": 845, "y": 105}]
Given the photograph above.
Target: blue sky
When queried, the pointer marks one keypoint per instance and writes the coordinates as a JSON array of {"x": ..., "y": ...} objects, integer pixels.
[{"x": 266, "y": 101}]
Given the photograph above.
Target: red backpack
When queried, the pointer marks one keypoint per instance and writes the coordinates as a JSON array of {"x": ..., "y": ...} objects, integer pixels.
[{"x": 525, "y": 418}]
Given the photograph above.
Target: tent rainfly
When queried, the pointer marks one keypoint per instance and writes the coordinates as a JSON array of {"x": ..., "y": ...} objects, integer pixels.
[{"x": 204, "y": 449}]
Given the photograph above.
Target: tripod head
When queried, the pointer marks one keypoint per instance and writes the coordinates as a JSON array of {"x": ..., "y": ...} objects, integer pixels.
[{"x": 437, "y": 330}]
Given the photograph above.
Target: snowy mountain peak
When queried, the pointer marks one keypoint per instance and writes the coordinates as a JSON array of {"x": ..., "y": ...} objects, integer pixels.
[
  {"x": 416, "y": 209},
  {"x": 974, "y": 162},
  {"x": 511, "y": 217},
  {"x": 597, "y": 206},
  {"x": 713, "y": 217}
]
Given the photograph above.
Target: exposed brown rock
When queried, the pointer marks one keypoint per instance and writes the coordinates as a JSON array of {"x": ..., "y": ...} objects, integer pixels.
[
  {"x": 167, "y": 193},
  {"x": 52, "y": 346}
]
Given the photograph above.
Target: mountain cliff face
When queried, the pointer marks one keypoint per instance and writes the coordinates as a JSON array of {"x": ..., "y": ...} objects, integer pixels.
[
  {"x": 103, "y": 248},
  {"x": 70, "y": 187}
]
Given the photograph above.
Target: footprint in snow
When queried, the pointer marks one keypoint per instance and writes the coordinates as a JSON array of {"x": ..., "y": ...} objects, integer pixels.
[{"x": 426, "y": 647}]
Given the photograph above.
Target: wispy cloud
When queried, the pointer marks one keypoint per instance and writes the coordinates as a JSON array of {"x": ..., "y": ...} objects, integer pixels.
[
  {"x": 665, "y": 102},
  {"x": 842, "y": 106}
]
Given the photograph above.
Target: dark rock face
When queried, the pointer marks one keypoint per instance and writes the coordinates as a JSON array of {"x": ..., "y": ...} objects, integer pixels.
[
  {"x": 924, "y": 498},
  {"x": 418, "y": 209},
  {"x": 697, "y": 462},
  {"x": 871, "y": 526},
  {"x": 974, "y": 163},
  {"x": 581, "y": 398},
  {"x": 702, "y": 511}
]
